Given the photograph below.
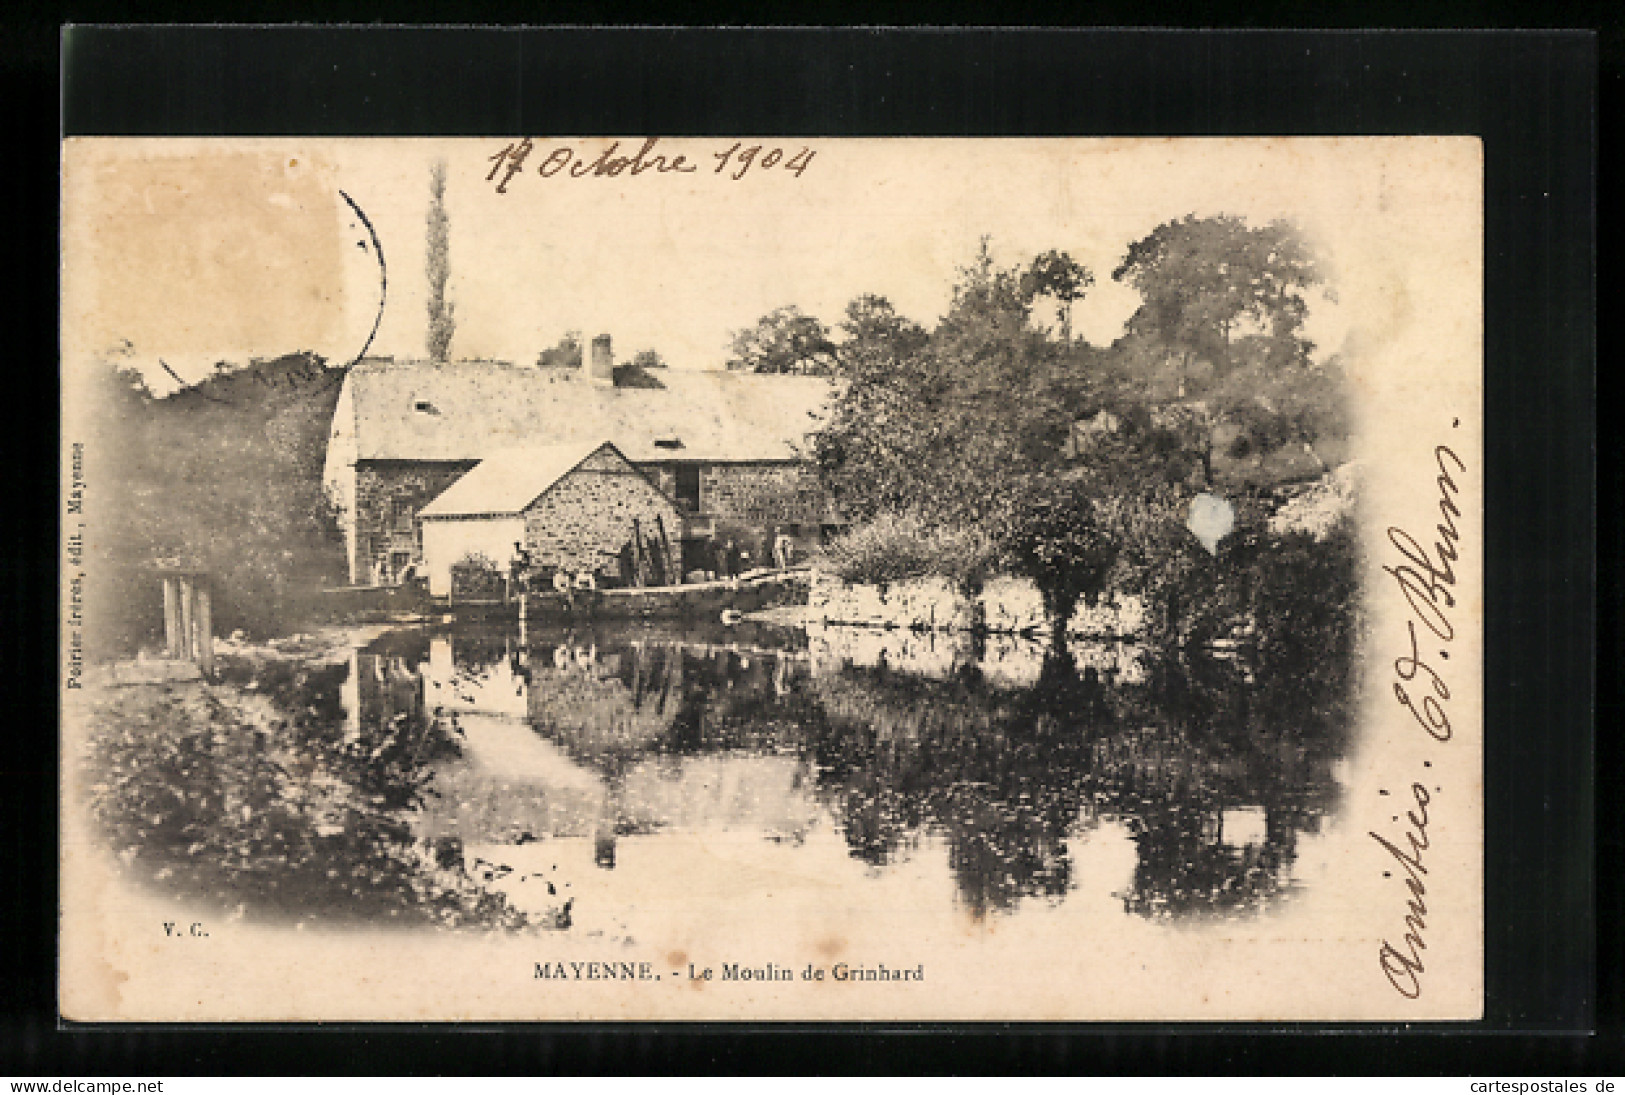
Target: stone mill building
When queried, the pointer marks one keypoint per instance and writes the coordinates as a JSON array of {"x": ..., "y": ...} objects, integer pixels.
[{"x": 725, "y": 456}]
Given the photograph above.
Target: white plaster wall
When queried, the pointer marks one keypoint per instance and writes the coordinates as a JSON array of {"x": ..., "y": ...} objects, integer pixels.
[{"x": 447, "y": 541}]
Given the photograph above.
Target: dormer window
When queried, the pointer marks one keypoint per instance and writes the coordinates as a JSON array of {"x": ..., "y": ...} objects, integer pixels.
[
  {"x": 668, "y": 442},
  {"x": 423, "y": 406}
]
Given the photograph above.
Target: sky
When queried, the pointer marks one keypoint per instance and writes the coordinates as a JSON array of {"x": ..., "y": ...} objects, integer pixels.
[{"x": 188, "y": 252}]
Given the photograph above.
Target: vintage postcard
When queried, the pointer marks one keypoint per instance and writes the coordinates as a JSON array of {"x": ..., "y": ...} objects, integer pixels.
[{"x": 771, "y": 579}]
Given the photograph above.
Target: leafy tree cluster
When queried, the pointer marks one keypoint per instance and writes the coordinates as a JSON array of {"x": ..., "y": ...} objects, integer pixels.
[
  {"x": 786, "y": 340},
  {"x": 950, "y": 423},
  {"x": 1216, "y": 289},
  {"x": 224, "y": 476},
  {"x": 979, "y": 422},
  {"x": 564, "y": 354},
  {"x": 634, "y": 374}
]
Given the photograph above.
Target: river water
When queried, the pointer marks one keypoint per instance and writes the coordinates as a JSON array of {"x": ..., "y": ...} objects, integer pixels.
[{"x": 587, "y": 780}]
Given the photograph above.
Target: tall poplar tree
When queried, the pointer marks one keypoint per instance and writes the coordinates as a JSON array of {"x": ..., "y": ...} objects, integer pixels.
[{"x": 441, "y": 321}]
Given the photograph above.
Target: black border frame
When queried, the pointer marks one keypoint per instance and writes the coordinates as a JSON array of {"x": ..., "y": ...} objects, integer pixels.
[{"x": 1532, "y": 97}]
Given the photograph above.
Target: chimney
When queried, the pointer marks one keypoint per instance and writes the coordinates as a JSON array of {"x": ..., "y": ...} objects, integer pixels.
[{"x": 601, "y": 365}]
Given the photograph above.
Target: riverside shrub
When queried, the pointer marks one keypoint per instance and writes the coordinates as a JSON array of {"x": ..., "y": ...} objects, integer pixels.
[{"x": 898, "y": 547}]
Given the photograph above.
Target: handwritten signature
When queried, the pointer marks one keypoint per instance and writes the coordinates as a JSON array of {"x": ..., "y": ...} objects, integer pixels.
[{"x": 1427, "y": 579}]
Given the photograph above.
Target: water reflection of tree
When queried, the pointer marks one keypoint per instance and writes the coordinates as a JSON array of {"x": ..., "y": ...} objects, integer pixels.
[
  {"x": 996, "y": 774},
  {"x": 1007, "y": 778},
  {"x": 1186, "y": 866}
]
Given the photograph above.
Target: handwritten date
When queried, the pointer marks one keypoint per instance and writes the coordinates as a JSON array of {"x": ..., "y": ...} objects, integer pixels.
[{"x": 734, "y": 162}]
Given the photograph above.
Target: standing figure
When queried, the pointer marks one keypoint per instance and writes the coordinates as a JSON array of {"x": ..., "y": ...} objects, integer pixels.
[{"x": 518, "y": 567}]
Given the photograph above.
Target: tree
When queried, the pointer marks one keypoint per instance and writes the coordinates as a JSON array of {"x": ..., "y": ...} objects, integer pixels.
[
  {"x": 988, "y": 290},
  {"x": 786, "y": 340},
  {"x": 1219, "y": 331},
  {"x": 1057, "y": 535},
  {"x": 1204, "y": 281},
  {"x": 629, "y": 374},
  {"x": 224, "y": 475},
  {"x": 877, "y": 337},
  {"x": 565, "y": 354},
  {"x": 996, "y": 409},
  {"x": 1057, "y": 275},
  {"x": 942, "y": 424},
  {"x": 441, "y": 321}
]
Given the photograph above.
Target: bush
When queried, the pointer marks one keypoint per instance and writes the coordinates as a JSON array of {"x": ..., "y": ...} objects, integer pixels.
[
  {"x": 474, "y": 575},
  {"x": 1057, "y": 535},
  {"x": 276, "y": 809},
  {"x": 897, "y": 547}
]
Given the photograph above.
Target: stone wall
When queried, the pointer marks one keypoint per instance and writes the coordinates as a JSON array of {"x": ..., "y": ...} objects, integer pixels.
[
  {"x": 922, "y": 604},
  {"x": 745, "y": 502},
  {"x": 748, "y": 501},
  {"x": 1005, "y": 605},
  {"x": 663, "y": 476},
  {"x": 583, "y": 521},
  {"x": 389, "y": 494},
  {"x": 763, "y": 493}
]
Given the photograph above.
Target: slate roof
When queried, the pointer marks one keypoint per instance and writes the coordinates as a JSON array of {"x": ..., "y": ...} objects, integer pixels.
[
  {"x": 504, "y": 483},
  {"x": 415, "y": 410}
]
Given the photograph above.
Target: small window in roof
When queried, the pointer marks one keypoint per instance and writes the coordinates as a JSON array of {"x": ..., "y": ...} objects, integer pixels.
[
  {"x": 424, "y": 406},
  {"x": 668, "y": 442}
]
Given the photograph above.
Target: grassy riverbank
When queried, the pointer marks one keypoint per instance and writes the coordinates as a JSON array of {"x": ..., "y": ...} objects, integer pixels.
[{"x": 251, "y": 794}]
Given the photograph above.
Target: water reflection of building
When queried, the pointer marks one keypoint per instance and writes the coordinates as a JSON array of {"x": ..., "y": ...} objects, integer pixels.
[
  {"x": 1009, "y": 758},
  {"x": 476, "y": 681},
  {"x": 606, "y": 706},
  {"x": 573, "y": 737},
  {"x": 382, "y": 689}
]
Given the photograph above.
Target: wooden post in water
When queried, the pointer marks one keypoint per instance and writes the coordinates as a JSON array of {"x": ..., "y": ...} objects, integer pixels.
[
  {"x": 188, "y": 621},
  {"x": 640, "y": 565},
  {"x": 666, "y": 576},
  {"x": 204, "y": 647},
  {"x": 172, "y": 617}
]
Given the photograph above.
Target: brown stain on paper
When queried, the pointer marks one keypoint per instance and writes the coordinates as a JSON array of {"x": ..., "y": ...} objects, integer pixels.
[
  {"x": 830, "y": 947},
  {"x": 208, "y": 253}
]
